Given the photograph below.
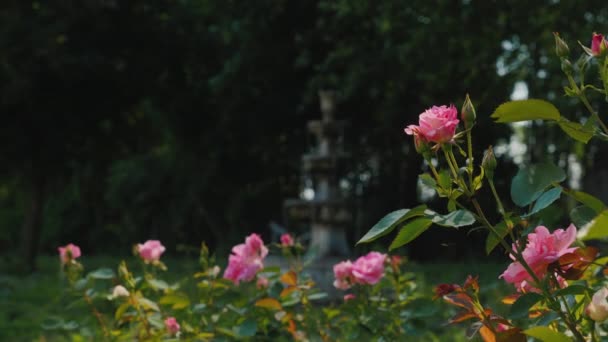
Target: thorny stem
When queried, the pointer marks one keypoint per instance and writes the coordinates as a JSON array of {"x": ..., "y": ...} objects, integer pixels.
[
  {"x": 470, "y": 155},
  {"x": 449, "y": 161},
  {"x": 583, "y": 98}
]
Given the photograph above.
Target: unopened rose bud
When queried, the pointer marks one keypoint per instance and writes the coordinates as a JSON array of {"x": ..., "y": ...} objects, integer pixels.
[
  {"x": 598, "y": 44},
  {"x": 597, "y": 310},
  {"x": 120, "y": 291},
  {"x": 489, "y": 163},
  {"x": 467, "y": 113},
  {"x": 561, "y": 48}
]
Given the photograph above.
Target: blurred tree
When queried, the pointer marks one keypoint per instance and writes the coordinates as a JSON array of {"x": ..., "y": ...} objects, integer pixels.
[{"x": 185, "y": 120}]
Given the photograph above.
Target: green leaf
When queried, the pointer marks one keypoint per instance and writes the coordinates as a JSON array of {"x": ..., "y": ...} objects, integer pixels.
[
  {"x": 176, "y": 300},
  {"x": 530, "y": 182},
  {"x": 596, "y": 228},
  {"x": 445, "y": 180},
  {"x": 573, "y": 290},
  {"x": 148, "y": 304},
  {"x": 582, "y": 215},
  {"x": 525, "y": 110},
  {"x": 246, "y": 329},
  {"x": 546, "y": 334},
  {"x": 522, "y": 306},
  {"x": 427, "y": 180},
  {"x": 410, "y": 231},
  {"x": 576, "y": 131},
  {"x": 102, "y": 273},
  {"x": 492, "y": 241},
  {"x": 458, "y": 218},
  {"x": 158, "y": 284},
  {"x": 318, "y": 296},
  {"x": 545, "y": 200},
  {"x": 589, "y": 200},
  {"x": 390, "y": 221}
]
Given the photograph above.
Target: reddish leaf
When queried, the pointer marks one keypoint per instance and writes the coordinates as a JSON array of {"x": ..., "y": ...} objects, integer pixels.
[
  {"x": 472, "y": 283},
  {"x": 510, "y": 299},
  {"x": 487, "y": 334},
  {"x": 290, "y": 278},
  {"x": 460, "y": 299},
  {"x": 463, "y": 316}
]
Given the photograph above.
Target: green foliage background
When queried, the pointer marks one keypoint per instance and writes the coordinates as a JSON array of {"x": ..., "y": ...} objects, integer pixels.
[{"x": 185, "y": 120}]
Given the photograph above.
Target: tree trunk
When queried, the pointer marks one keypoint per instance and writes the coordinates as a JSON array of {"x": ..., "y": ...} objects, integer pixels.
[{"x": 32, "y": 223}]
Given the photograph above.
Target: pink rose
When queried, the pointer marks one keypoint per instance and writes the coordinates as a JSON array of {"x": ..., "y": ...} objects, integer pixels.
[
  {"x": 343, "y": 272},
  {"x": 369, "y": 269},
  {"x": 172, "y": 325},
  {"x": 598, "y": 44},
  {"x": 436, "y": 124},
  {"x": 151, "y": 250},
  {"x": 597, "y": 310},
  {"x": 543, "y": 248},
  {"x": 349, "y": 296},
  {"x": 286, "y": 240},
  {"x": 69, "y": 252},
  {"x": 246, "y": 259}
]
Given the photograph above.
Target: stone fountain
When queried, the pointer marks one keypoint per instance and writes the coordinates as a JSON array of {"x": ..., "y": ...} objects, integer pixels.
[{"x": 322, "y": 206}]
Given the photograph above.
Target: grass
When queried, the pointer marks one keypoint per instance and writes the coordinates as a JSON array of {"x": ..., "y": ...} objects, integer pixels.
[{"x": 26, "y": 302}]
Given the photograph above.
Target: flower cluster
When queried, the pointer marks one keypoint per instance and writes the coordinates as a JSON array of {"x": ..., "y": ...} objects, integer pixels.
[
  {"x": 543, "y": 249},
  {"x": 367, "y": 270},
  {"x": 246, "y": 259}
]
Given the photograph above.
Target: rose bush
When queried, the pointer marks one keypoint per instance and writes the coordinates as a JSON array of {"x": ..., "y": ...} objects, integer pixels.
[{"x": 554, "y": 273}]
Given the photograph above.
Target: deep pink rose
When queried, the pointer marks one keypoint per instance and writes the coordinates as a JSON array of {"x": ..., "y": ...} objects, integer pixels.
[
  {"x": 246, "y": 259},
  {"x": 151, "y": 250},
  {"x": 349, "y": 296},
  {"x": 69, "y": 252},
  {"x": 598, "y": 44},
  {"x": 369, "y": 269},
  {"x": 343, "y": 272},
  {"x": 286, "y": 240},
  {"x": 436, "y": 124},
  {"x": 543, "y": 248},
  {"x": 172, "y": 325}
]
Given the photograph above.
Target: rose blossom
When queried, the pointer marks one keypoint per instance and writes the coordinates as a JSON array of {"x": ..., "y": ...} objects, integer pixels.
[
  {"x": 246, "y": 259},
  {"x": 543, "y": 248},
  {"x": 172, "y": 325},
  {"x": 286, "y": 240},
  {"x": 436, "y": 124},
  {"x": 69, "y": 252},
  {"x": 597, "y": 310},
  {"x": 349, "y": 296},
  {"x": 369, "y": 269},
  {"x": 343, "y": 272},
  {"x": 150, "y": 250},
  {"x": 598, "y": 44}
]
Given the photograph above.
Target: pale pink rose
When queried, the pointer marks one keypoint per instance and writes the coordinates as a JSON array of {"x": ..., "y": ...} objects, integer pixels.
[
  {"x": 598, "y": 44},
  {"x": 69, "y": 252},
  {"x": 150, "y": 250},
  {"x": 349, "y": 296},
  {"x": 286, "y": 240},
  {"x": 343, "y": 272},
  {"x": 436, "y": 124},
  {"x": 172, "y": 325},
  {"x": 369, "y": 269},
  {"x": 543, "y": 248},
  {"x": 500, "y": 327},
  {"x": 597, "y": 310},
  {"x": 120, "y": 291},
  {"x": 246, "y": 259},
  {"x": 262, "y": 282}
]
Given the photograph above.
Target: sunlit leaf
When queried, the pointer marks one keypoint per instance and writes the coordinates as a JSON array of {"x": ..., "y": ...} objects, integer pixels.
[
  {"x": 290, "y": 278},
  {"x": 546, "y": 334},
  {"x": 410, "y": 231},
  {"x": 545, "y": 200},
  {"x": 269, "y": 303},
  {"x": 524, "y": 110},
  {"x": 530, "y": 182}
]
